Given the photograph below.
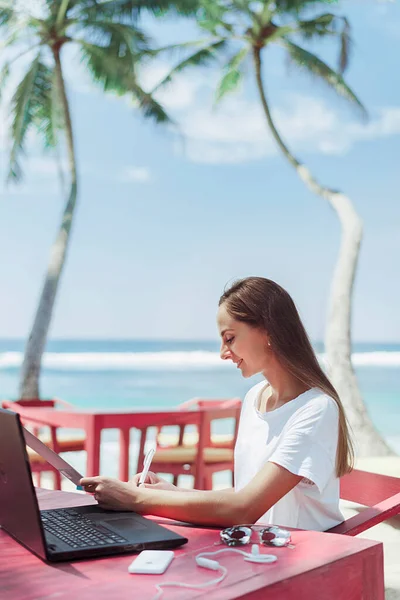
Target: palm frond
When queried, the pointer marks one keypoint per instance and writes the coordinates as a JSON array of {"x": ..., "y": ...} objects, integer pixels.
[
  {"x": 131, "y": 9},
  {"x": 160, "y": 7},
  {"x": 150, "y": 108},
  {"x": 212, "y": 17},
  {"x": 317, "y": 27},
  {"x": 7, "y": 13},
  {"x": 35, "y": 105},
  {"x": 232, "y": 76},
  {"x": 117, "y": 74},
  {"x": 200, "y": 58},
  {"x": 345, "y": 46},
  {"x": 22, "y": 117},
  {"x": 316, "y": 67},
  {"x": 244, "y": 6},
  {"x": 111, "y": 9},
  {"x": 4, "y": 75},
  {"x": 62, "y": 11},
  {"x": 295, "y": 7},
  {"x": 272, "y": 33},
  {"x": 106, "y": 33},
  {"x": 333, "y": 25},
  {"x": 107, "y": 69},
  {"x": 266, "y": 13},
  {"x": 48, "y": 113},
  {"x": 180, "y": 47},
  {"x": 213, "y": 27},
  {"x": 53, "y": 8}
]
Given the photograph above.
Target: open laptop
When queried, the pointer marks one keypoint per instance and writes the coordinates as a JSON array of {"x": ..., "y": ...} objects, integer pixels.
[{"x": 65, "y": 533}]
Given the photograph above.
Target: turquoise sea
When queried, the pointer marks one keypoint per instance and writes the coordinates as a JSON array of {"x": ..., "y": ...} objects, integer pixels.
[{"x": 130, "y": 373}]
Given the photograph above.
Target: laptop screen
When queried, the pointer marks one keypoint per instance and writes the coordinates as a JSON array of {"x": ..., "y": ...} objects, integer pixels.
[{"x": 19, "y": 510}]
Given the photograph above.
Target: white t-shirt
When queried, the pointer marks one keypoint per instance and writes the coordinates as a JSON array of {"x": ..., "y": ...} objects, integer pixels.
[{"x": 301, "y": 436}]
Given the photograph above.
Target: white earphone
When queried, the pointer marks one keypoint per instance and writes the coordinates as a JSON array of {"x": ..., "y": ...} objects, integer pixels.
[
  {"x": 207, "y": 563},
  {"x": 254, "y": 557}
]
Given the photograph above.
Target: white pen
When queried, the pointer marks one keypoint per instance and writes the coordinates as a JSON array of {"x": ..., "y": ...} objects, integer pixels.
[{"x": 146, "y": 465}]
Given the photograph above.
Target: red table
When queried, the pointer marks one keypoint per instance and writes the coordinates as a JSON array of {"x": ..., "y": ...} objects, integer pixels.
[
  {"x": 322, "y": 566},
  {"x": 95, "y": 420}
]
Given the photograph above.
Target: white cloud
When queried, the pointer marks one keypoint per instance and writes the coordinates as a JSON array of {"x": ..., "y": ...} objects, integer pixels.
[
  {"x": 343, "y": 135},
  {"x": 134, "y": 174},
  {"x": 238, "y": 131},
  {"x": 179, "y": 94}
]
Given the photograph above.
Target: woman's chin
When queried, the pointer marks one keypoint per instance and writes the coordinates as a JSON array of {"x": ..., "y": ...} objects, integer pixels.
[{"x": 246, "y": 374}]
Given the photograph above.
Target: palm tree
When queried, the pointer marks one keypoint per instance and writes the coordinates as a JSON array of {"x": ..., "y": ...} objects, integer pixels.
[
  {"x": 110, "y": 44},
  {"x": 238, "y": 33}
]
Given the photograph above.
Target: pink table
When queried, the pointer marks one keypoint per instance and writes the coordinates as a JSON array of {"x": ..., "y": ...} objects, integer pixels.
[
  {"x": 322, "y": 566},
  {"x": 94, "y": 421}
]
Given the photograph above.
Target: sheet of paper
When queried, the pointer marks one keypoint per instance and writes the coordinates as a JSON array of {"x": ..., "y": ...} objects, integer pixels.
[{"x": 52, "y": 457}]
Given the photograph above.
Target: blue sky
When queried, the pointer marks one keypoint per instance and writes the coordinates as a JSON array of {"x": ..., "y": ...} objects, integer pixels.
[{"x": 162, "y": 225}]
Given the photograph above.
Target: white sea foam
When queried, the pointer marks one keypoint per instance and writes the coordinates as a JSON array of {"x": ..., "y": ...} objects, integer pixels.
[
  {"x": 99, "y": 361},
  {"x": 376, "y": 359},
  {"x": 126, "y": 361}
]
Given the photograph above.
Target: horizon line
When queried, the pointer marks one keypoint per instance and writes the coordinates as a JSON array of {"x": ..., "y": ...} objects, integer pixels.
[{"x": 167, "y": 339}]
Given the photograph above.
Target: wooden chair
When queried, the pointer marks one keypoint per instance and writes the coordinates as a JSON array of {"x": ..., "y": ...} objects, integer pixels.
[
  {"x": 202, "y": 456},
  {"x": 380, "y": 493},
  {"x": 163, "y": 440},
  {"x": 69, "y": 444}
]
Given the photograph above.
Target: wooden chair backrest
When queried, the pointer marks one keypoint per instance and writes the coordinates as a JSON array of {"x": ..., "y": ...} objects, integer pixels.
[
  {"x": 201, "y": 404},
  {"x": 380, "y": 493},
  {"x": 34, "y": 403},
  {"x": 368, "y": 489},
  {"x": 38, "y": 403},
  {"x": 225, "y": 411},
  {"x": 205, "y": 417}
]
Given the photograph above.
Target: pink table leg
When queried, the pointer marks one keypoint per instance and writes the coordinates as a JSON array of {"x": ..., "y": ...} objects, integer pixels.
[
  {"x": 124, "y": 454},
  {"x": 92, "y": 446}
]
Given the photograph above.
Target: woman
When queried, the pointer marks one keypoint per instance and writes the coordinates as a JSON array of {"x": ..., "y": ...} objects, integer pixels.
[{"x": 293, "y": 442}]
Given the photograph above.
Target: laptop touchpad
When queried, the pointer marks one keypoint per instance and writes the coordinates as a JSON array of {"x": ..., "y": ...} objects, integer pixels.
[{"x": 125, "y": 522}]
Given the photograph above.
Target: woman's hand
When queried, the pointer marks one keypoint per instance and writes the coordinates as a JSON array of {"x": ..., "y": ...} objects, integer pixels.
[
  {"x": 113, "y": 494},
  {"x": 154, "y": 482}
]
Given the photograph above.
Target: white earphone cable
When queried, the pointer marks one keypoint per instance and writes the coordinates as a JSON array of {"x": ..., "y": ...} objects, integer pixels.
[
  {"x": 159, "y": 586},
  {"x": 214, "y": 565}
]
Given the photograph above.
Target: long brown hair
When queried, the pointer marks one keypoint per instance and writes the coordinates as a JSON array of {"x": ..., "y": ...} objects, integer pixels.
[{"x": 264, "y": 304}]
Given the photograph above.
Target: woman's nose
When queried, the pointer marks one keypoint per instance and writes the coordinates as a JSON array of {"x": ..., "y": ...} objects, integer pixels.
[{"x": 225, "y": 353}]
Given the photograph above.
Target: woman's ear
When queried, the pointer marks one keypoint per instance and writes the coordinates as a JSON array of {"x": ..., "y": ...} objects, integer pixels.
[{"x": 267, "y": 340}]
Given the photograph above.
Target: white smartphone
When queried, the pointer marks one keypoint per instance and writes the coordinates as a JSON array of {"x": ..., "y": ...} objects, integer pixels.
[{"x": 154, "y": 562}]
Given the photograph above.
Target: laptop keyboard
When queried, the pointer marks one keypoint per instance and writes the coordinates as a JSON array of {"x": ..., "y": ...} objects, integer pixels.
[{"x": 76, "y": 530}]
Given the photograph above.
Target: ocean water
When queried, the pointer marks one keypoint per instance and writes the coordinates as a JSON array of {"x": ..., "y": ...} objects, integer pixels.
[{"x": 132, "y": 373}]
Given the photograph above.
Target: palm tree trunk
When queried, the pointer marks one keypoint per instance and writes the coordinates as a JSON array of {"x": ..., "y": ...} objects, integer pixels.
[
  {"x": 368, "y": 441},
  {"x": 30, "y": 372}
]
